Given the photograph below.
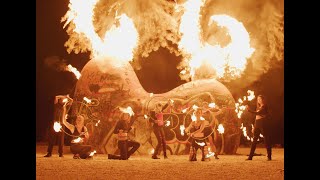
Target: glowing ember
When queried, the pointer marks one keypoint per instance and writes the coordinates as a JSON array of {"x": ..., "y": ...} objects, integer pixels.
[
  {"x": 87, "y": 100},
  {"x": 182, "y": 128},
  {"x": 127, "y": 110},
  {"x": 145, "y": 116},
  {"x": 212, "y": 105},
  {"x": 73, "y": 70},
  {"x": 92, "y": 153},
  {"x": 57, "y": 126},
  {"x": 167, "y": 123},
  {"x": 220, "y": 129},
  {"x": 261, "y": 135},
  {"x": 241, "y": 126}
]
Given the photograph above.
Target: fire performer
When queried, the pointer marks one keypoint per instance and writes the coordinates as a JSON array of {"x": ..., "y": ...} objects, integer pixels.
[
  {"x": 260, "y": 126},
  {"x": 59, "y": 102},
  {"x": 210, "y": 127},
  {"x": 123, "y": 126},
  {"x": 195, "y": 130},
  {"x": 79, "y": 130},
  {"x": 156, "y": 117}
]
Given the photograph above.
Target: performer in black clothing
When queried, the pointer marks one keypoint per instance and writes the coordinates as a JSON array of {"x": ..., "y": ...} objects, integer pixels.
[
  {"x": 156, "y": 117},
  {"x": 195, "y": 130},
  {"x": 260, "y": 126},
  {"x": 81, "y": 135},
  {"x": 123, "y": 126},
  {"x": 59, "y": 102}
]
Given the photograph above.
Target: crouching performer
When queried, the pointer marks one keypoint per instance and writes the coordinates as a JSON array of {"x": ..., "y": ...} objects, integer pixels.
[{"x": 123, "y": 126}]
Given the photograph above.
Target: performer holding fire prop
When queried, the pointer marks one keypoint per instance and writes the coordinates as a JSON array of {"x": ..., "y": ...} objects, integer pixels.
[
  {"x": 157, "y": 119},
  {"x": 195, "y": 130},
  {"x": 80, "y": 131},
  {"x": 55, "y": 127},
  {"x": 123, "y": 126}
]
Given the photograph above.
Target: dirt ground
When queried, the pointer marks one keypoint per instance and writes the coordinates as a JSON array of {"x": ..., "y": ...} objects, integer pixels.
[{"x": 175, "y": 167}]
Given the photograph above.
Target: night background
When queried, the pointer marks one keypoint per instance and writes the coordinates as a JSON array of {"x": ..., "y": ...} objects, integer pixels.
[{"x": 50, "y": 81}]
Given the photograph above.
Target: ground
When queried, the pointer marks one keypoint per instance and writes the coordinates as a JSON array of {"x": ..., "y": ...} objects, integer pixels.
[{"x": 176, "y": 167}]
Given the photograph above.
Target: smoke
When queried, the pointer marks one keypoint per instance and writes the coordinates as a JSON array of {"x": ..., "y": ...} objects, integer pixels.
[
  {"x": 264, "y": 20},
  {"x": 55, "y": 63}
]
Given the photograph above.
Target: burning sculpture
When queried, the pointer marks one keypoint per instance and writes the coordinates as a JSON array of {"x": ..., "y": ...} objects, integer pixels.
[{"x": 116, "y": 33}]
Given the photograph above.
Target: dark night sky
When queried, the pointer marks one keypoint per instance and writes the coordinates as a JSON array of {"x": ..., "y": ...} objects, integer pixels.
[{"x": 50, "y": 39}]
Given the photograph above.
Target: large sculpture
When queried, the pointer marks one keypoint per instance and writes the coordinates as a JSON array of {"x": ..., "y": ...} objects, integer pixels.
[{"x": 109, "y": 87}]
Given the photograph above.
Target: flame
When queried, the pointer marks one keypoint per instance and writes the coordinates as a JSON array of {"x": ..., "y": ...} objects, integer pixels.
[
  {"x": 79, "y": 139},
  {"x": 185, "y": 110},
  {"x": 220, "y": 129},
  {"x": 81, "y": 14},
  {"x": 234, "y": 55},
  {"x": 212, "y": 105},
  {"x": 97, "y": 123},
  {"x": 210, "y": 154},
  {"x": 65, "y": 100},
  {"x": 195, "y": 107},
  {"x": 182, "y": 128},
  {"x": 151, "y": 94},
  {"x": 241, "y": 126},
  {"x": 201, "y": 144},
  {"x": 183, "y": 72},
  {"x": 145, "y": 116},
  {"x": 127, "y": 110},
  {"x": 172, "y": 101},
  {"x": 57, "y": 126},
  {"x": 248, "y": 138},
  {"x": 251, "y": 95},
  {"x": 251, "y": 139},
  {"x": 244, "y": 132},
  {"x": 151, "y": 151},
  {"x": 167, "y": 123},
  {"x": 92, "y": 153},
  {"x": 87, "y": 100},
  {"x": 261, "y": 135},
  {"x": 193, "y": 117},
  {"x": 202, "y": 118},
  {"x": 73, "y": 70}
]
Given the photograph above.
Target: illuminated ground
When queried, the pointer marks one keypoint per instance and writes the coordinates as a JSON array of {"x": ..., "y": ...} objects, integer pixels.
[{"x": 176, "y": 167}]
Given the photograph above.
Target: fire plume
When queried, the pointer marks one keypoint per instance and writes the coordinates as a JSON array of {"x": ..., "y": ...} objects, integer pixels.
[{"x": 73, "y": 70}]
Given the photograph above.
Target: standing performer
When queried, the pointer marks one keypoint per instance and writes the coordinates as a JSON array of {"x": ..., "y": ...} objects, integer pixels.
[
  {"x": 195, "y": 130},
  {"x": 59, "y": 102},
  {"x": 158, "y": 123},
  {"x": 260, "y": 126},
  {"x": 123, "y": 126}
]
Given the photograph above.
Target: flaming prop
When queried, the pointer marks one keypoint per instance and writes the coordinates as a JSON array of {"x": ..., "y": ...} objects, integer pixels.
[
  {"x": 73, "y": 70},
  {"x": 57, "y": 126},
  {"x": 92, "y": 153},
  {"x": 220, "y": 129},
  {"x": 240, "y": 107},
  {"x": 182, "y": 128},
  {"x": 78, "y": 140}
]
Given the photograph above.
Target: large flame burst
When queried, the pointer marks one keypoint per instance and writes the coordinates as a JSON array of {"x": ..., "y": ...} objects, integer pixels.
[
  {"x": 233, "y": 56},
  {"x": 120, "y": 40}
]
